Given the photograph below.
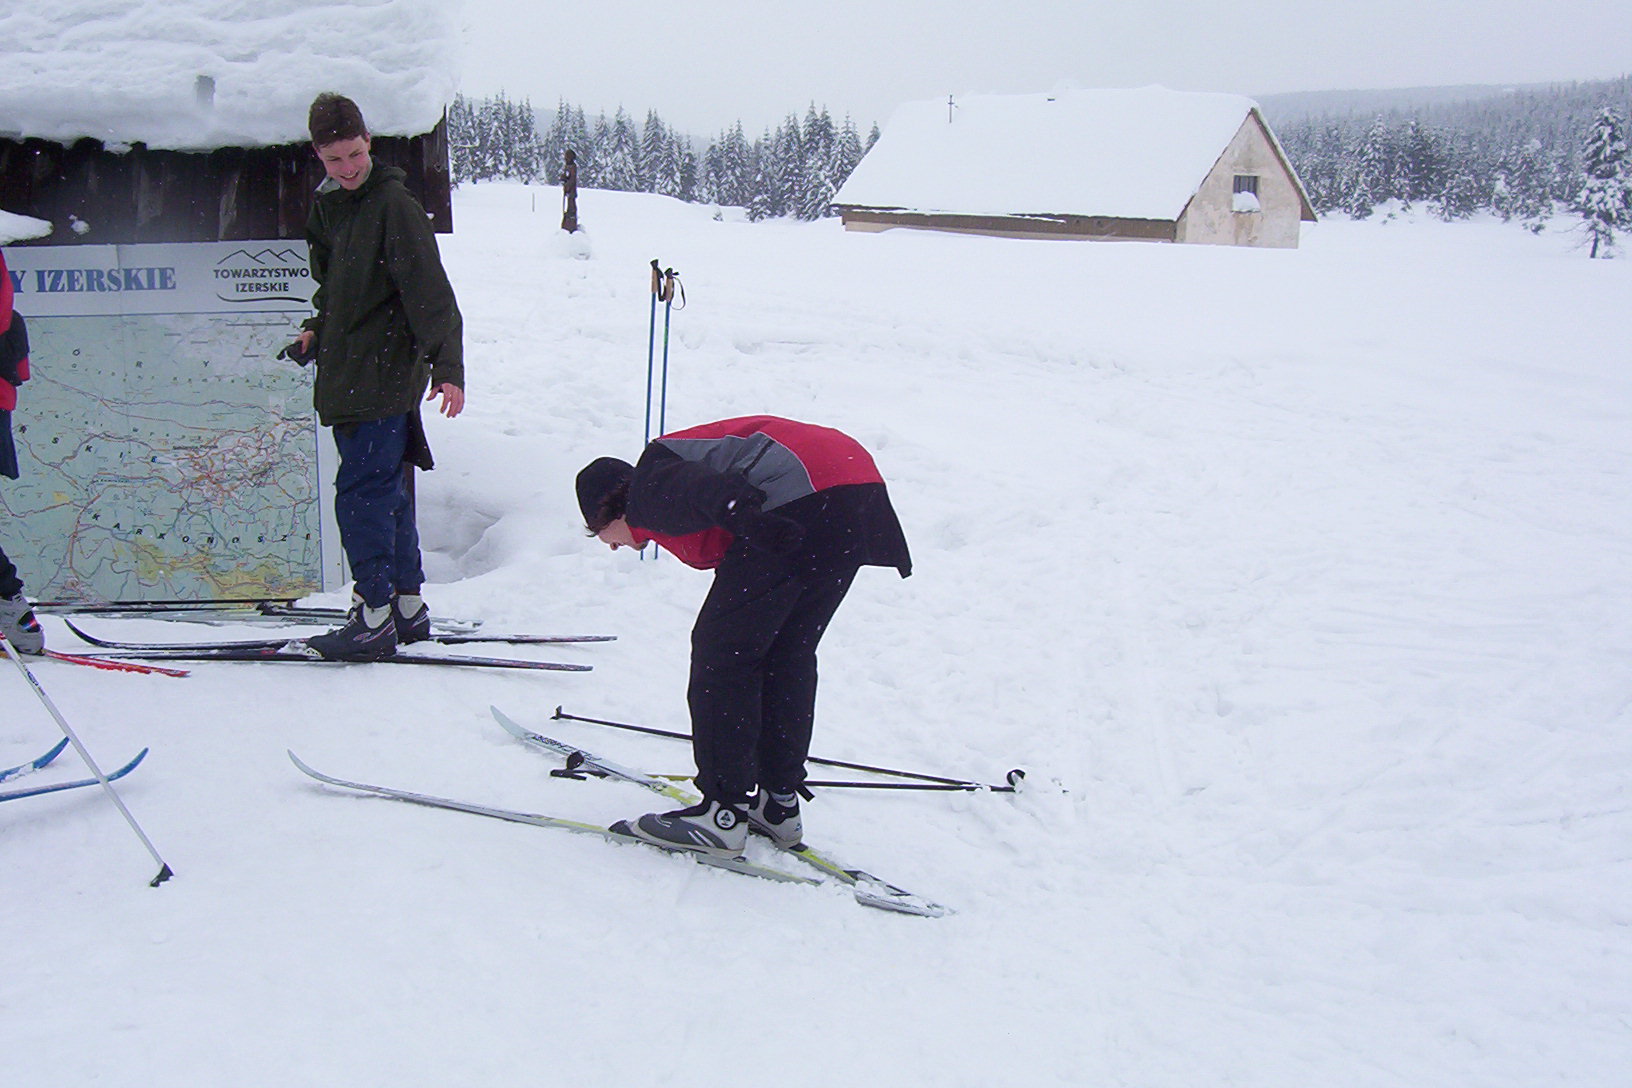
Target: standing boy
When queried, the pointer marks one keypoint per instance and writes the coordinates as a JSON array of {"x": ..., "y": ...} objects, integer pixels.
[
  {"x": 785, "y": 514},
  {"x": 386, "y": 325}
]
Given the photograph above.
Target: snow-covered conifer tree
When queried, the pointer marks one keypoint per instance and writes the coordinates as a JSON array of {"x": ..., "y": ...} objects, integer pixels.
[
  {"x": 1369, "y": 186},
  {"x": 1605, "y": 200},
  {"x": 619, "y": 166},
  {"x": 814, "y": 186},
  {"x": 461, "y": 138}
]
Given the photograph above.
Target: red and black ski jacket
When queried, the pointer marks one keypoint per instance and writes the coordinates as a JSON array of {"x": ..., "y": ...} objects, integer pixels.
[
  {"x": 686, "y": 483},
  {"x": 13, "y": 345},
  {"x": 13, "y": 369}
]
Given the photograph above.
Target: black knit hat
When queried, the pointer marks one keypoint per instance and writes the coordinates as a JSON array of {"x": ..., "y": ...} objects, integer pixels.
[{"x": 597, "y": 483}]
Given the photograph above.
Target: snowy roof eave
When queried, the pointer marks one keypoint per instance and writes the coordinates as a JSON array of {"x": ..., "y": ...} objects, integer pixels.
[
  {"x": 21, "y": 228},
  {"x": 191, "y": 75}
]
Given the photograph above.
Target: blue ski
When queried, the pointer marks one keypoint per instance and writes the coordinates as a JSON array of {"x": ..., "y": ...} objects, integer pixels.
[
  {"x": 869, "y": 890},
  {"x": 34, "y": 764},
  {"x": 35, "y": 791}
]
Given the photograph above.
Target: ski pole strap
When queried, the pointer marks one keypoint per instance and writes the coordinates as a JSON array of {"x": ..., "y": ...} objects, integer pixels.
[{"x": 671, "y": 285}]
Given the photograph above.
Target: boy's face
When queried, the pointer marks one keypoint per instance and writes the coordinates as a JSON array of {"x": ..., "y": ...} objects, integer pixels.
[{"x": 347, "y": 161}]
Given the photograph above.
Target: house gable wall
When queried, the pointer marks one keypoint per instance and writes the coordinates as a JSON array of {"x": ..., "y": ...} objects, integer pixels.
[{"x": 1210, "y": 218}]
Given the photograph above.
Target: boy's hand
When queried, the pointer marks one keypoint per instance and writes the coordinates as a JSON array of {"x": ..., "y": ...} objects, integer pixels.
[
  {"x": 453, "y": 398},
  {"x": 303, "y": 350}
]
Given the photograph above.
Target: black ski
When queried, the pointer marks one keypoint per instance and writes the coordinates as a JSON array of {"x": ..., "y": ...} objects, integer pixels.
[
  {"x": 143, "y": 608},
  {"x": 443, "y": 638},
  {"x": 295, "y": 651}
]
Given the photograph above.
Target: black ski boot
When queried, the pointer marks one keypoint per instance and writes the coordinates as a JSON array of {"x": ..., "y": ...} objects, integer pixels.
[
  {"x": 370, "y": 634},
  {"x": 413, "y": 618}
]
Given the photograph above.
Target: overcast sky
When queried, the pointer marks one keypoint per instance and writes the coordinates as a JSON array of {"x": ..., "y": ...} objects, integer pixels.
[{"x": 704, "y": 64}]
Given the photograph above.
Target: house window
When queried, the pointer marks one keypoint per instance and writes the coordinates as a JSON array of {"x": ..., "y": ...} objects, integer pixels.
[{"x": 1246, "y": 194}]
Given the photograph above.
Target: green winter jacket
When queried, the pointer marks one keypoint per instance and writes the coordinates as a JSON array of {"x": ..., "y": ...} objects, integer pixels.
[{"x": 387, "y": 323}]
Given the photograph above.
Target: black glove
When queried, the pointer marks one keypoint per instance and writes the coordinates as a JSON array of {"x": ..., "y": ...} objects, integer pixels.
[
  {"x": 769, "y": 532},
  {"x": 295, "y": 354}
]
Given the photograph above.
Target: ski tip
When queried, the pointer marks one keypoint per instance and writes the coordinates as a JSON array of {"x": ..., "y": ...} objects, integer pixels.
[{"x": 900, "y": 903}]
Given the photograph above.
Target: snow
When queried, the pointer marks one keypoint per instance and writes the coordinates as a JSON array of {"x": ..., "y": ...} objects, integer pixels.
[
  {"x": 1297, "y": 580},
  {"x": 199, "y": 74},
  {"x": 18, "y": 228},
  {"x": 1137, "y": 153}
]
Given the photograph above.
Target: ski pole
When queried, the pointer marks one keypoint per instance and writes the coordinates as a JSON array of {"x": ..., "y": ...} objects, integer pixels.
[
  {"x": 651, "y": 346},
  {"x": 815, "y": 784},
  {"x": 1013, "y": 777},
  {"x": 164, "y": 869},
  {"x": 671, "y": 281}
]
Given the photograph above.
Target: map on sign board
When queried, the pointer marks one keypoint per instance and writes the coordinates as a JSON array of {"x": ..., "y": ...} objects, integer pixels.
[{"x": 165, "y": 453}]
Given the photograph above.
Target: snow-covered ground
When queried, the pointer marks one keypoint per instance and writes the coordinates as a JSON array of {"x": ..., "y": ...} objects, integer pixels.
[{"x": 1299, "y": 583}]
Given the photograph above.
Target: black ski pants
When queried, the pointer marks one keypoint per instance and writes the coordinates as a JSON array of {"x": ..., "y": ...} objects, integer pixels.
[{"x": 753, "y": 672}]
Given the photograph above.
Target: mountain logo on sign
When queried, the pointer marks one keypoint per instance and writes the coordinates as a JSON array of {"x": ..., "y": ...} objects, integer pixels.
[{"x": 262, "y": 276}]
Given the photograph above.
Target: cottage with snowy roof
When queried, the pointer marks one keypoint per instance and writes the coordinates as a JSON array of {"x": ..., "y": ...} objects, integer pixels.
[
  {"x": 185, "y": 120},
  {"x": 1148, "y": 164}
]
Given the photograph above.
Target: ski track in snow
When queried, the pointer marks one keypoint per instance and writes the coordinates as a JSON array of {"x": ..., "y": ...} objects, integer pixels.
[{"x": 1297, "y": 581}]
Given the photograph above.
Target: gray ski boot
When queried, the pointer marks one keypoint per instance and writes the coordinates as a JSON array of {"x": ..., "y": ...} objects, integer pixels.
[
  {"x": 18, "y": 624},
  {"x": 776, "y": 816},
  {"x": 707, "y": 827}
]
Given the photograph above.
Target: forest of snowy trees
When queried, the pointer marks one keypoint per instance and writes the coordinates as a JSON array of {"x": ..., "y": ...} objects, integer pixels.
[
  {"x": 1523, "y": 156},
  {"x": 793, "y": 170}
]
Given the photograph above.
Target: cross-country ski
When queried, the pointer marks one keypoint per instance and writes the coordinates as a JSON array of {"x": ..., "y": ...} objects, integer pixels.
[
  {"x": 869, "y": 890},
  {"x": 35, "y": 764},
  {"x": 741, "y": 867},
  {"x": 446, "y": 639},
  {"x": 79, "y": 783},
  {"x": 296, "y": 653}
]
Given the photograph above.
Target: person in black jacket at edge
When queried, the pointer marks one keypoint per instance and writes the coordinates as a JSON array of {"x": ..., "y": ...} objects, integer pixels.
[
  {"x": 785, "y": 514},
  {"x": 17, "y": 622},
  {"x": 387, "y": 324}
]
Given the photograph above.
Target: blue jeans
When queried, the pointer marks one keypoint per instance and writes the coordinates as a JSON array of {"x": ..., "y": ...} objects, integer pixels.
[{"x": 375, "y": 511}]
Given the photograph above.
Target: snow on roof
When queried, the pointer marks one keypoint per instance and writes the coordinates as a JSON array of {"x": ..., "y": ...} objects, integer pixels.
[
  {"x": 198, "y": 74},
  {"x": 1135, "y": 154},
  {"x": 18, "y": 228}
]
